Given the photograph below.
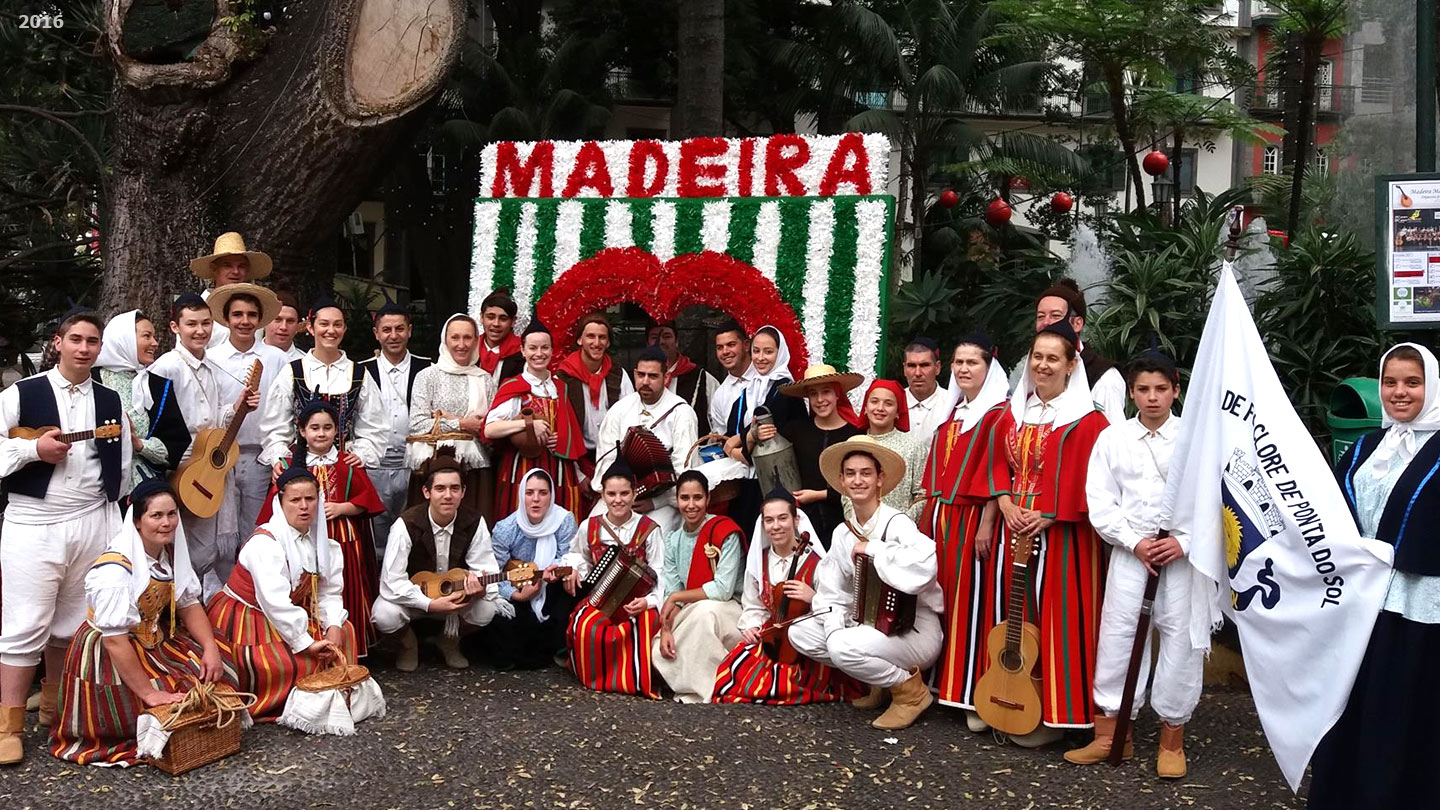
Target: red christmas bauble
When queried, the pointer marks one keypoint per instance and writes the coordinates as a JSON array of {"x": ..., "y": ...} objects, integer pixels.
[
  {"x": 1061, "y": 203},
  {"x": 997, "y": 213},
  {"x": 1155, "y": 163},
  {"x": 949, "y": 198}
]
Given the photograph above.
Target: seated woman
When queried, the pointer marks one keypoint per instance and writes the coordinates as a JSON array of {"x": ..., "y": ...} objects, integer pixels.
[
  {"x": 614, "y": 655},
  {"x": 538, "y": 532},
  {"x": 281, "y": 616},
  {"x": 348, "y": 501},
  {"x": 778, "y": 584},
  {"x": 129, "y": 656}
]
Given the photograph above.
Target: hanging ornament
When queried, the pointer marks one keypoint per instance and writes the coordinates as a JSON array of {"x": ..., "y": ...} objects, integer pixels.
[
  {"x": 1155, "y": 163},
  {"x": 1061, "y": 203},
  {"x": 997, "y": 213},
  {"x": 948, "y": 198}
]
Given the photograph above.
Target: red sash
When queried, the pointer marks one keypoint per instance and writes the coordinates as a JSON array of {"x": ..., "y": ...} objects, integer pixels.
[{"x": 712, "y": 533}]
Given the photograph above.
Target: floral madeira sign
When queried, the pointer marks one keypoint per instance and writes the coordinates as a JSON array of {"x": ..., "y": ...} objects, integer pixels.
[{"x": 789, "y": 230}]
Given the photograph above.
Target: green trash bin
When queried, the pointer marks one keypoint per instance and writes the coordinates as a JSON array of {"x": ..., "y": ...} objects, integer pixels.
[{"x": 1354, "y": 411}]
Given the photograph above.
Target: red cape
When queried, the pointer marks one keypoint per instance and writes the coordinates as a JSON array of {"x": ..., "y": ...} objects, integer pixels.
[
  {"x": 1066, "y": 461},
  {"x": 569, "y": 441}
]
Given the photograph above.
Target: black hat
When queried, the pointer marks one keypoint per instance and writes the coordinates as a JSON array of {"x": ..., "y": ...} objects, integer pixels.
[
  {"x": 1064, "y": 330},
  {"x": 978, "y": 338},
  {"x": 620, "y": 468},
  {"x": 534, "y": 327},
  {"x": 292, "y": 473},
  {"x": 1069, "y": 291},
  {"x": 780, "y": 493},
  {"x": 149, "y": 488},
  {"x": 315, "y": 406},
  {"x": 389, "y": 308},
  {"x": 323, "y": 302}
]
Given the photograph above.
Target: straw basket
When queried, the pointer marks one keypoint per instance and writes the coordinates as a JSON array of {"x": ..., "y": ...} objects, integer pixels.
[
  {"x": 204, "y": 727},
  {"x": 341, "y": 677}
]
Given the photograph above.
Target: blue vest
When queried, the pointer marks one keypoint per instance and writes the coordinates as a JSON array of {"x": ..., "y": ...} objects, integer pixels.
[{"x": 39, "y": 409}]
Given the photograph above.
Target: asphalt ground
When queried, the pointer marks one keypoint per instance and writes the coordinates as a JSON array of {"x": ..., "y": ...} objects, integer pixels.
[{"x": 485, "y": 739}]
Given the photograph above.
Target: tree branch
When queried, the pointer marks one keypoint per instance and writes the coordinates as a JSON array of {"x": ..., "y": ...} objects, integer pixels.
[{"x": 71, "y": 128}]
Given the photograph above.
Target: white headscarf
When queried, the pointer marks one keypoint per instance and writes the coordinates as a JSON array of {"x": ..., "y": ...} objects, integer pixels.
[
  {"x": 128, "y": 542},
  {"x": 118, "y": 352},
  {"x": 1072, "y": 404},
  {"x": 446, "y": 363},
  {"x": 757, "y": 385},
  {"x": 1398, "y": 442},
  {"x": 282, "y": 531},
  {"x": 993, "y": 390},
  {"x": 544, "y": 533},
  {"x": 759, "y": 541}
]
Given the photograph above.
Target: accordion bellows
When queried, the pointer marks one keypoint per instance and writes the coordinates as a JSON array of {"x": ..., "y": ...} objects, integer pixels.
[{"x": 618, "y": 577}]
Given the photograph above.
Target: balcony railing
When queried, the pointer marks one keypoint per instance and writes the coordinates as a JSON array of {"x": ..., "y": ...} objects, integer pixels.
[{"x": 1329, "y": 98}]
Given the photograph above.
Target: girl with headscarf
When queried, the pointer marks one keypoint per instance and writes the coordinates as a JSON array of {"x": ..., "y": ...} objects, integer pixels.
[
  {"x": 831, "y": 420},
  {"x": 769, "y": 372},
  {"x": 453, "y": 396},
  {"x": 282, "y": 613},
  {"x": 1039, "y": 456},
  {"x": 158, "y": 432},
  {"x": 779, "y": 583},
  {"x": 536, "y": 428},
  {"x": 348, "y": 502},
  {"x": 1382, "y": 751},
  {"x": 960, "y": 514},
  {"x": 886, "y": 418},
  {"x": 147, "y": 640},
  {"x": 538, "y": 532}
]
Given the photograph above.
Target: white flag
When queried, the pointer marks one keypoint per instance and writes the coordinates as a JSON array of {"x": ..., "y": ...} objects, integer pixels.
[{"x": 1267, "y": 521}]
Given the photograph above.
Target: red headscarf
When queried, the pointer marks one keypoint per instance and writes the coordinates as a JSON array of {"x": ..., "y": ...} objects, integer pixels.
[{"x": 902, "y": 416}]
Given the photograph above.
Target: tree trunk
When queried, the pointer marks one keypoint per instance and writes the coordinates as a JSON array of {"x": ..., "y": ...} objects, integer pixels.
[
  {"x": 1119, "y": 111},
  {"x": 1305, "y": 135},
  {"x": 1177, "y": 157},
  {"x": 700, "y": 82},
  {"x": 275, "y": 134},
  {"x": 1291, "y": 65}
]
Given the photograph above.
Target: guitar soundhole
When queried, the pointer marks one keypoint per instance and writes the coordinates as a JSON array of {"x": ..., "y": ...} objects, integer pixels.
[
  {"x": 447, "y": 588},
  {"x": 217, "y": 458},
  {"x": 1010, "y": 660}
]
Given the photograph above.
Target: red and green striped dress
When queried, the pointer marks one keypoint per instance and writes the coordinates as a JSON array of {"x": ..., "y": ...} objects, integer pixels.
[
  {"x": 957, "y": 487},
  {"x": 96, "y": 724},
  {"x": 1067, "y": 573},
  {"x": 615, "y": 656}
]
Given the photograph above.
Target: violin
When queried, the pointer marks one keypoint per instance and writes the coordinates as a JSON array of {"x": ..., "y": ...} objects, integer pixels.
[{"x": 777, "y": 639}]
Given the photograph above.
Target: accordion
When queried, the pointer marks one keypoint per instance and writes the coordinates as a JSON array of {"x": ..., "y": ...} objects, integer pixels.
[
  {"x": 649, "y": 458},
  {"x": 618, "y": 577},
  {"x": 884, "y": 608}
]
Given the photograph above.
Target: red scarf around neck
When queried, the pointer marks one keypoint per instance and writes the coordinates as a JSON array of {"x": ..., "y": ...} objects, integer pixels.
[
  {"x": 490, "y": 358},
  {"x": 574, "y": 366},
  {"x": 683, "y": 365}
]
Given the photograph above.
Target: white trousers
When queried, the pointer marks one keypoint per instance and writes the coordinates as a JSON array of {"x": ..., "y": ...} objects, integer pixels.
[
  {"x": 1179, "y": 672},
  {"x": 869, "y": 656},
  {"x": 214, "y": 542},
  {"x": 392, "y": 484},
  {"x": 252, "y": 484},
  {"x": 389, "y": 617},
  {"x": 42, "y": 574},
  {"x": 705, "y": 632}
]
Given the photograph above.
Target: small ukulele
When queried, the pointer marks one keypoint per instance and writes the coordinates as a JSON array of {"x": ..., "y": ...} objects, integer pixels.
[
  {"x": 517, "y": 572},
  {"x": 1007, "y": 696},
  {"x": 200, "y": 481},
  {"x": 110, "y": 432}
]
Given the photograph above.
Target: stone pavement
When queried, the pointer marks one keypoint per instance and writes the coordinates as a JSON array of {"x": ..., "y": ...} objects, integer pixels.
[{"x": 481, "y": 739}]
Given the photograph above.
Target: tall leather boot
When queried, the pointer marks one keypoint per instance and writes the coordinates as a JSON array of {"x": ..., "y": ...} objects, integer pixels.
[
  {"x": 12, "y": 726},
  {"x": 874, "y": 699},
  {"x": 908, "y": 700},
  {"x": 1099, "y": 748},
  {"x": 408, "y": 659},
  {"x": 49, "y": 702},
  {"x": 450, "y": 649},
  {"x": 1170, "y": 763}
]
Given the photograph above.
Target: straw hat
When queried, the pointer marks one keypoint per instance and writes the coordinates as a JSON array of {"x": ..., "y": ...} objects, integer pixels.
[
  {"x": 822, "y": 374},
  {"x": 892, "y": 465},
  {"x": 269, "y": 301},
  {"x": 232, "y": 244}
]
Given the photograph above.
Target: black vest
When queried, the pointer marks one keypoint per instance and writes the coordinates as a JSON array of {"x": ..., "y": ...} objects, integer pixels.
[
  {"x": 512, "y": 366},
  {"x": 1406, "y": 521},
  {"x": 690, "y": 387},
  {"x": 417, "y": 365},
  {"x": 347, "y": 403},
  {"x": 577, "y": 393},
  {"x": 422, "y": 539},
  {"x": 1095, "y": 365},
  {"x": 39, "y": 409}
]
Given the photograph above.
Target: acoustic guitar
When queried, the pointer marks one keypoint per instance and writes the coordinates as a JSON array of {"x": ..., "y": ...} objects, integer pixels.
[
  {"x": 110, "y": 431},
  {"x": 200, "y": 481},
  {"x": 517, "y": 572},
  {"x": 1007, "y": 696}
]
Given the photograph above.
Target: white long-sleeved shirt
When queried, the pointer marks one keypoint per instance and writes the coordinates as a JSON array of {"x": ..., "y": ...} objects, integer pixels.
[
  {"x": 277, "y": 412},
  {"x": 926, "y": 415},
  {"x": 1109, "y": 393},
  {"x": 395, "y": 584},
  {"x": 276, "y": 574},
  {"x": 904, "y": 559},
  {"x": 510, "y": 408},
  {"x": 753, "y": 612},
  {"x": 234, "y": 366},
  {"x": 196, "y": 387},
  {"x": 1126, "y": 480},
  {"x": 722, "y": 399},
  {"x": 390, "y": 393},
  {"x": 676, "y": 432},
  {"x": 75, "y": 483},
  {"x": 114, "y": 609},
  {"x": 679, "y": 555},
  {"x": 579, "y": 558},
  {"x": 594, "y": 415}
]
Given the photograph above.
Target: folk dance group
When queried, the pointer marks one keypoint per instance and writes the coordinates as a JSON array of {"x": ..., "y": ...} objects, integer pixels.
[{"x": 558, "y": 507}]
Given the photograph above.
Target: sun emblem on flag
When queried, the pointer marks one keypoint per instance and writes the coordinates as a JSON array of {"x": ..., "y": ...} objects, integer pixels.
[
  {"x": 1249, "y": 519},
  {"x": 1230, "y": 525}
]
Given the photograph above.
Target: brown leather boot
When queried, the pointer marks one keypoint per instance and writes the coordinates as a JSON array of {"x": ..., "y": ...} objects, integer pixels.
[
  {"x": 450, "y": 651},
  {"x": 1099, "y": 748},
  {"x": 875, "y": 699},
  {"x": 12, "y": 726},
  {"x": 908, "y": 700},
  {"x": 408, "y": 658},
  {"x": 1170, "y": 763},
  {"x": 49, "y": 702}
]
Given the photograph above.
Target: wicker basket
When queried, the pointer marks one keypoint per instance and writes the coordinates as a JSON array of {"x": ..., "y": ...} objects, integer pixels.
[
  {"x": 204, "y": 728},
  {"x": 342, "y": 676}
]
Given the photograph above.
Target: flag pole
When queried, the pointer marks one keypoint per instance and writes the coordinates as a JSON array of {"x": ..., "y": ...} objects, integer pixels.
[{"x": 1132, "y": 674}]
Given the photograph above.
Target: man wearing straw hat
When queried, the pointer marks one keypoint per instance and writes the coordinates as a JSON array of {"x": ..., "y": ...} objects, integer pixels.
[
  {"x": 903, "y": 559},
  {"x": 244, "y": 308},
  {"x": 229, "y": 263}
]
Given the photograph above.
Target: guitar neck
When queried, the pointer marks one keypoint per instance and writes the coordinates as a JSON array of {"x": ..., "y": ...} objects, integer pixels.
[
  {"x": 77, "y": 436},
  {"x": 1019, "y": 594},
  {"x": 233, "y": 430}
]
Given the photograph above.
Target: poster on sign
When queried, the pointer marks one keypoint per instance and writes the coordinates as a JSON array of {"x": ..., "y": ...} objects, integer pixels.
[
  {"x": 789, "y": 230},
  {"x": 1408, "y": 255}
]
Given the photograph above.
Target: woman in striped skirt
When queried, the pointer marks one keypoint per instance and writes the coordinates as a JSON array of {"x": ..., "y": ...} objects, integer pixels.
[
  {"x": 749, "y": 674},
  {"x": 960, "y": 515},
  {"x": 614, "y": 655},
  {"x": 546, "y": 438},
  {"x": 281, "y": 616},
  {"x": 147, "y": 639}
]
